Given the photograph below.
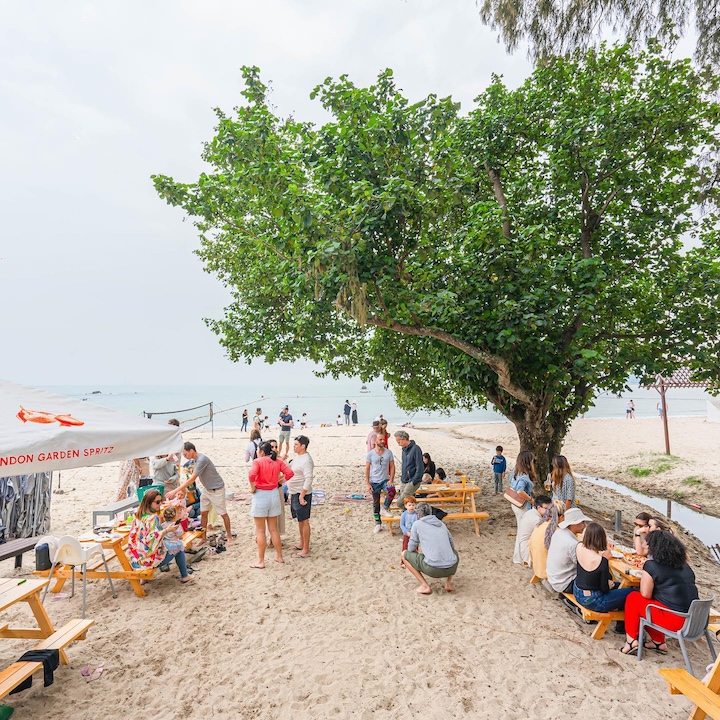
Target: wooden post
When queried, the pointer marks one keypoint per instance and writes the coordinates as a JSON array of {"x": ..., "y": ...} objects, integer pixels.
[{"x": 663, "y": 400}]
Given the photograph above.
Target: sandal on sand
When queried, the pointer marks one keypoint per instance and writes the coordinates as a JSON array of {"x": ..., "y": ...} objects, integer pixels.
[
  {"x": 652, "y": 645},
  {"x": 93, "y": 672},
  {"x": 302, "y": 557},
  {"x": 632, "y": 648}
]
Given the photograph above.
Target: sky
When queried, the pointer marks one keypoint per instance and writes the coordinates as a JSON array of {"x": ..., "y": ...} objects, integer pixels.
[{"x": 98, "y": 280}]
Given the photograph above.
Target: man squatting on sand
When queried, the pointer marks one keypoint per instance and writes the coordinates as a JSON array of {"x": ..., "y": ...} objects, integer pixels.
[
  {"x": 431, "y": 551},
  {"x": 213, "y": 486}
]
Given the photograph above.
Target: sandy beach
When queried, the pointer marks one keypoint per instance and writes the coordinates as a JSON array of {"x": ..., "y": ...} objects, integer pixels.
[{"x": 343, "y": 634}]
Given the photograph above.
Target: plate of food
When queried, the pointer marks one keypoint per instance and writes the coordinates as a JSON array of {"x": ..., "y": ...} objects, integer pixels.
[{"x": 616, "y": 553}]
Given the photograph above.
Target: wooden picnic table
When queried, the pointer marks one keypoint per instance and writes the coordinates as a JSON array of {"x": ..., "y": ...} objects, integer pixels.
[
  {"x": 116, "y": 546},
  {"x": 460, "y": 494},
  {"x": 624, "y": 570},
  {"x": 27, "y": 590}
]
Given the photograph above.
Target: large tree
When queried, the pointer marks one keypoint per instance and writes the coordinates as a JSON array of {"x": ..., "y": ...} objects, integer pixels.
[
  {"x": 553, "y": 27},
  {"x": 527, "y": 254}
]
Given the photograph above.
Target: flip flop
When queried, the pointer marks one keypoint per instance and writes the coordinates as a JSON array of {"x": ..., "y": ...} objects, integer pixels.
[
  {"x": 96, "y": 673},
  {"x": 303, "y": 557},
  {"x": 295, "y": 547},
  {"x": 255, "y": 566}
]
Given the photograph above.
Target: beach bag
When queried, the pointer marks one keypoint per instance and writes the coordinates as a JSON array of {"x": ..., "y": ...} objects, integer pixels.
[{"x": 518, "y": 499}]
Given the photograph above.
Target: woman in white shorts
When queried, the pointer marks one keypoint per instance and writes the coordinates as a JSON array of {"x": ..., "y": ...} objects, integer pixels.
[{"x": 264, "y": 477}]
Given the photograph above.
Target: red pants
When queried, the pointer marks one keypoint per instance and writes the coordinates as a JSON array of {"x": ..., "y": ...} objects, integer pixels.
[
  {"x": 635, "y": 609},
  {"x": 406, "y": 540}
]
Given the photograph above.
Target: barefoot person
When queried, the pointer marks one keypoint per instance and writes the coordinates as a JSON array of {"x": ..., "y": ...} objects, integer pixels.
[
  {"x": 213, "y": 488},
  {"x": 431, "y": 551},
  {"x": 300, "y": 491},
  {"x": 264, "y": 477}
]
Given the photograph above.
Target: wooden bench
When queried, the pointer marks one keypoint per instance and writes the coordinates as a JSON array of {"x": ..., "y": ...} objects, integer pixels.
[
  {"x": 15, "y": 675},
  {"x": 392, "y": 519},
  {"x": 16, "y": 548},
  {"x": 20, "y": 671},
  {"x": 703, "y": 694},
  {"x": 67, "y": 634},
  {"x": 113, "y": 509},
  {"x": 603, "y": 619}
]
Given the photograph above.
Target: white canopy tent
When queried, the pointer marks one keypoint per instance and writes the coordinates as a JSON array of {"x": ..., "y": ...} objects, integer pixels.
[{"x": 41, "y": 432}]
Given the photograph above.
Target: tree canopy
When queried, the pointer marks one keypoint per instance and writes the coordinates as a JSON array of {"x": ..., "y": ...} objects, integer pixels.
[
  {"x": 529, "y": 253},
  {"x": 555, "y": 27}
]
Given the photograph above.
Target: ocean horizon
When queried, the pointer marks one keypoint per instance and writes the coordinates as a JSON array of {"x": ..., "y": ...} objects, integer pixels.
[{"x": 323, "y": 399}]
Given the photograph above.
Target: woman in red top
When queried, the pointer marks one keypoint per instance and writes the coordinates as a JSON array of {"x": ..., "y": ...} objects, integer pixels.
[{"x": 264, "y": 477}]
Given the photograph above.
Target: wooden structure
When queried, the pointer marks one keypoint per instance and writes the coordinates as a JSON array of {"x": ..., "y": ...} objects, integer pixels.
[
  {"x": 16, "y": 548},
  {"x": 704, "y": 694},
  {"x": 681, "y": 378},
  {"x": 453, "y": 495},
  {"x": 116, "y": 546}
]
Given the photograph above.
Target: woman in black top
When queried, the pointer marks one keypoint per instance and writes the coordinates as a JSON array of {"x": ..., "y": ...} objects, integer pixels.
[
  {"x": 668, "y": 581},
  {"x": 429, "y": 467},
  {"x": 594, "y": 587}
]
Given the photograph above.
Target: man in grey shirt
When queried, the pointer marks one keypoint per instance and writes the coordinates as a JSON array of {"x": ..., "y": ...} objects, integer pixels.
[
  {"x": 213, "y": 486},
  {"x": 431, "y": 550}
]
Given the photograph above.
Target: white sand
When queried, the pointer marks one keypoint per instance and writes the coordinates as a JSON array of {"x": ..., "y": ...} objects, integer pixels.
[{"x": 324, "y": 638}]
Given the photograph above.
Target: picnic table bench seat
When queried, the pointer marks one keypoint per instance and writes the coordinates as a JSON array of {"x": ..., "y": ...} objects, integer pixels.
[
  {"x": 704, "y": 694},
  {"x": 114, "y": 508},
  {"x": 15, "y": 548},
  {"x": 475, "y": 516},
  {"x": 603, "y": 619},
  {"x": 20, "y": 671}
]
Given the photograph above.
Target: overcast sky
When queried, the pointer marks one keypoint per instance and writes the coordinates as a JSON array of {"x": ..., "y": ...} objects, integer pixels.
[{"x": 98, "y": 281}]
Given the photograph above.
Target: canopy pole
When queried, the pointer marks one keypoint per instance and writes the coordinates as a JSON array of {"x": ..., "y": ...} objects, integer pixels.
[{"x": 663, "y": 400}]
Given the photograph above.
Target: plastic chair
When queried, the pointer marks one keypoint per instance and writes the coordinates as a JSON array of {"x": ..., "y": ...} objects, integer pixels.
[
  {"x": 695, "y": 627},
  {"x": 71, "y": 552}
]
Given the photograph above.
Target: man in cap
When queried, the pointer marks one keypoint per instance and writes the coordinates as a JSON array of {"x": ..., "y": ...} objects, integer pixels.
[
  {"x": 562, "y": 553},
  {"x": 286, "y": 423}
]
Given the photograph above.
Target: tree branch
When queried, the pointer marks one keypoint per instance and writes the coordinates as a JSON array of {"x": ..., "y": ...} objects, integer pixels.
[
  {"x": 494, "y": 176},
  {"x": 496, "y": 363}
]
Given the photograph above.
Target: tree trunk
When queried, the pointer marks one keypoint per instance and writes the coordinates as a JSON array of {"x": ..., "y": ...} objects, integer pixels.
[{"x": 538, "y": 436}]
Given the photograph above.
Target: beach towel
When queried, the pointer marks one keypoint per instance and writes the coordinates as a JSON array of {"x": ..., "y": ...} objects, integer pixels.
[
  {"x": 351, "y": 498},
  {"x": 319, "y": 497}
]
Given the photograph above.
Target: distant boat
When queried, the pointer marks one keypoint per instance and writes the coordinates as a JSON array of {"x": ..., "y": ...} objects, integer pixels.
[
  {"x": 364, "y": 389},
  {"x": 96, "y": 392}
]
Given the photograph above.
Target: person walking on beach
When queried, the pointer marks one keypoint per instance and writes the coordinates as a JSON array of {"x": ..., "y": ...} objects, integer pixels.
[
  {"x": 379, "y": 476},
  {"x": 431, "y": 551},
  {"x": 412, "y": 467},
  {"x": 354, "y": 414},
  {"x": 630, "y": 410},
  {"x": 244, "y": 425},
  {"x": 286, "y": 422},
  {"x": 300, "y": 490},
  {"x": 213, "y": 489},
  {"x": 346, "y": 412},
  {"x": 499, "y": 466},
  {"x": 258, "y": 420}
]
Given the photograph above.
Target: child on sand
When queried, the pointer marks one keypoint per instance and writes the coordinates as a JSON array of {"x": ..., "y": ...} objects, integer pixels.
[
  {"x": 499, "y": 466},
  {"x": 407, "y": 519}
]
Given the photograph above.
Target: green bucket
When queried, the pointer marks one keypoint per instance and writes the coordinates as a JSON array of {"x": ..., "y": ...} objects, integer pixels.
[{"x": 141, "y": 491}]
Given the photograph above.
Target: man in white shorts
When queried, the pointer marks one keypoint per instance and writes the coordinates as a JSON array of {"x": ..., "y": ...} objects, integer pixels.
[{"x": 213, "y": 488}]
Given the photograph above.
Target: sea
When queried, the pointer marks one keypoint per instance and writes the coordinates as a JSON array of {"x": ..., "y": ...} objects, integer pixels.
[{"x": 322, "y": 400}]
